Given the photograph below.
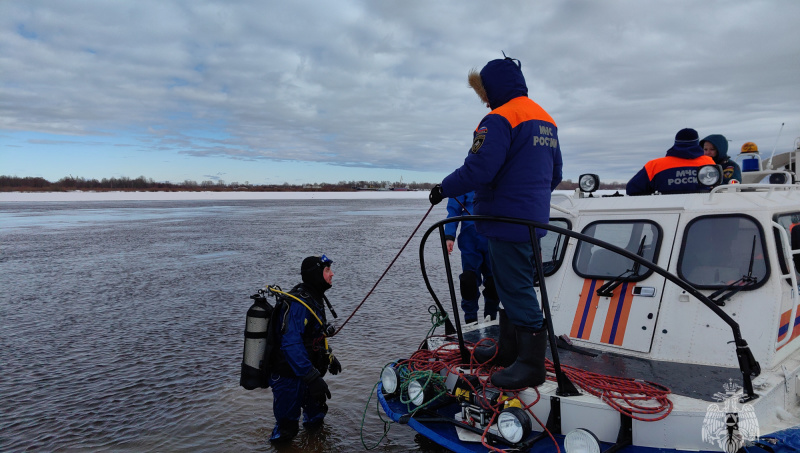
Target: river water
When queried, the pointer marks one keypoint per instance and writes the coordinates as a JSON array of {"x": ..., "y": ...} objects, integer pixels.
[{"x": 121, "y": 322}]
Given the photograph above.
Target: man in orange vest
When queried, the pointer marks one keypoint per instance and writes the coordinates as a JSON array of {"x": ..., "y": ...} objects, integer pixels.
[{"x": 674, "y": 173}]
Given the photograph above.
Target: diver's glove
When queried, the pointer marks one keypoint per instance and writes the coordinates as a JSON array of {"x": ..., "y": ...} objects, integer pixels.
[
  {"x": 317, "y": 388},
  {"x": 335, "y": 367},
  {"x": 436, "y": 195}
]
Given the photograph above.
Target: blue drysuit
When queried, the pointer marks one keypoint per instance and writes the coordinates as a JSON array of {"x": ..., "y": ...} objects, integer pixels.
[{"x": 302, "y": 348}]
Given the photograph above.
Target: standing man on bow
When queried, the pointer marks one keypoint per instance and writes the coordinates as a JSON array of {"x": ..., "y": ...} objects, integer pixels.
[
  {"x": 303, "y": 357},
  {"x": 513, "y": 166}
]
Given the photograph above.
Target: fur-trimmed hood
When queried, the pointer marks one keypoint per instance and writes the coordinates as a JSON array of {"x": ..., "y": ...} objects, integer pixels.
[{"x": 498, "y": 82}]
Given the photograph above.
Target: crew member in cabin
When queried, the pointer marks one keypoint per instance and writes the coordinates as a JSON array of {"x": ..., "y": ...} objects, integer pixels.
[
  {"x": 303, "y": 358},
  {"x": 475, "y": 267},
  {"x": 715, "y": 146},
  {"x": 674, "y": 173},
  {"x": 513, "y": 166}
]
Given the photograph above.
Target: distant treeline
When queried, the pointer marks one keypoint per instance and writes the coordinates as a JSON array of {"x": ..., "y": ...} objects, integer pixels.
[{"x": 71, "y": 183}]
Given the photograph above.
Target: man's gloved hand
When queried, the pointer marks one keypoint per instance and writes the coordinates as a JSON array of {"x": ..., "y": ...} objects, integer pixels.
[
  {"x": 318, "y": 390},
  {"x": 335, "y": 367},
  {"x": 436, "y": 195},
  {"x": 317, "y": 387}
]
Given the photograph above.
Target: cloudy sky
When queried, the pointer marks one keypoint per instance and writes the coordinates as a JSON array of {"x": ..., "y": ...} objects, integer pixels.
[{"x": 326, "y": 91}]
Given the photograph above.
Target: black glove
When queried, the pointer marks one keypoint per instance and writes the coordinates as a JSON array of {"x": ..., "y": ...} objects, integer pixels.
[
  {"x": 436, "y": 195},
  {"x": 335, "y": 367},
  {"x": 318, "y": 390}
]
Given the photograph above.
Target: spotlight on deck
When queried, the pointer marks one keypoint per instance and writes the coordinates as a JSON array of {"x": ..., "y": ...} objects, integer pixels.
[
  {"x": 418, "y": 392},
  {"x": 589, "y": 182},
  {"x": 709, "y": 175},
  {"x": 390, "y": 379},
  {"x": 514, "y": 424},
  {"x": 581, "y": 441}
]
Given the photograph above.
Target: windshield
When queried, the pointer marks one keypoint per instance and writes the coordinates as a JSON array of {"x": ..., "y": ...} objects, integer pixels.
[
  {"x": 719, "y": 250},
  {"x": 640, "y": 237}
]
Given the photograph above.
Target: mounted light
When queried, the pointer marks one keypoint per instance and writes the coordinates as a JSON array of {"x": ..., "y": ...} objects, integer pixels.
[
  {"x": 418, "y": 393},
  {"x": 581, "y": 441},
  {"x": 390, "y": 379},
  {"x": 777, "y": 178},
  {"x": 589, "y": 182},
  {"x": 709, "y": 175},
  {"x": 514, "y": 424}
]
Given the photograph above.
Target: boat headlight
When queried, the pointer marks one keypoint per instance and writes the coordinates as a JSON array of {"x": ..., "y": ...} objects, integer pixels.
[
  {"x": 581, "y": 441},
  {"x": 589, "y": 182},
  {"x": 709, "y": 175},
  {"x": 777, "y": 178},
  {"x": 416, "y": 393},
  {"x": 514, "y": 424},
  {"x": 390, "y": 379}
]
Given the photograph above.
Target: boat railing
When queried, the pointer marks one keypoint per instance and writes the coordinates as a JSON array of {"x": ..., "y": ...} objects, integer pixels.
[
  {"x": 748, "y": 366},
  {"x": 769, "y": 189}
]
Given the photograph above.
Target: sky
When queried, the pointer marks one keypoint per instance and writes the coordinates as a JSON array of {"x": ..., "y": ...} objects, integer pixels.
[{"x": 302, "y": 91}]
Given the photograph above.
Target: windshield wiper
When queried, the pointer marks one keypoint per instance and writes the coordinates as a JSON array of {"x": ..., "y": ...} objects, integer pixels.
[
  {"x": 607, "y": 290},
  {"x": 744, "y": 282}
]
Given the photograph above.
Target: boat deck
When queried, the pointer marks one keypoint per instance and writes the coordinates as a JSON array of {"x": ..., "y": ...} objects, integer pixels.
[{"x": 686, "y": 379}]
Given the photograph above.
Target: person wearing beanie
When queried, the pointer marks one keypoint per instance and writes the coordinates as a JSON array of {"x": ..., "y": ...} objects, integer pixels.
[
  {"x": 513, "y": 166},
  {"x": 303, "y": 357},
  {"x": 674, "y": 173},
  {"x": 716, "y": 147}
]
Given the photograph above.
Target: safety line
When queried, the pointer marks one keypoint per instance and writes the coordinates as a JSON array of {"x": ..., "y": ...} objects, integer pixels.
[{"x": 384, "y": 272}]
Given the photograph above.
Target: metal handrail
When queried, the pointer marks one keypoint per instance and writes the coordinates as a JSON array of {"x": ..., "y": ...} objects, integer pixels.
[{"x": 748, "y": 366}]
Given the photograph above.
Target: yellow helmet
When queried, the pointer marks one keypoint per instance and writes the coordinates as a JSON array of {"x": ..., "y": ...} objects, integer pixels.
[{"x": 749, "y": 147}]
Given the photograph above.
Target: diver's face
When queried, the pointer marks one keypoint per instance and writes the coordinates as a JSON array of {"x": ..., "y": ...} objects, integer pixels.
[{"x": 327, "y": 274}]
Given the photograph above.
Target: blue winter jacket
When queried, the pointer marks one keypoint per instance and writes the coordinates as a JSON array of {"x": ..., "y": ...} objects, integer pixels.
[
  {"x": 673, "y": 174},
  {"x": 515, "y": 160}
]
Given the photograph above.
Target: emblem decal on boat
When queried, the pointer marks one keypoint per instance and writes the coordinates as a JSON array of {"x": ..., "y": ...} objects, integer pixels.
[{"x": 730, "y": 426}]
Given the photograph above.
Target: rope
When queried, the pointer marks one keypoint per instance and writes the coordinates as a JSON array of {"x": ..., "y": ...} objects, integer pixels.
[
  {"x": 637, "y": 399},
  {"x": 384, "y": 272}
]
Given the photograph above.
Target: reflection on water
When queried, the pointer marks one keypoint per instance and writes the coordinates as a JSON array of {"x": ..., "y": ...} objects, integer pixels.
[{"x": 121, "y": 323}]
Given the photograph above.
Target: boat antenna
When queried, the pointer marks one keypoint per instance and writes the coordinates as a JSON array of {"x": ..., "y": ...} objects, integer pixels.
[{"x": 776, "y": 145}]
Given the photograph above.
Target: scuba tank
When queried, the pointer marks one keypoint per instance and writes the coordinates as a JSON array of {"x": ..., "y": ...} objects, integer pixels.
[{"x": 255, "y": 373}]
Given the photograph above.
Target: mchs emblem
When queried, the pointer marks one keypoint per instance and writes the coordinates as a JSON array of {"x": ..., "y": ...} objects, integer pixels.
[{"x": 729, "y": 425}]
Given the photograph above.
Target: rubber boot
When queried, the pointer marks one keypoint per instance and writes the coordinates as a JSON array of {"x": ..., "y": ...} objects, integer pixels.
[
  {"x": 490, "y": 308},
  {"x": 284, "y": 431},
  {"x": 528, "y": 370},
  {"x": 470, "y": 308},
  {"x": 507, "y": 346}
]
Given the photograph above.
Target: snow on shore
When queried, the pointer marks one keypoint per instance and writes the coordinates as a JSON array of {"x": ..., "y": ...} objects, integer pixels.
[{"x": 168, "y": 196}]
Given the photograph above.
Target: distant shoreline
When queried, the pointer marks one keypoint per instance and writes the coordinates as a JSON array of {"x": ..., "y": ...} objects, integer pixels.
[{"x": 177, "y": 196}]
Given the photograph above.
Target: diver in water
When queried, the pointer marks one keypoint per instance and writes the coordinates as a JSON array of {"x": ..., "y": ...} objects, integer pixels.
[{"x": 303, "y": 358}]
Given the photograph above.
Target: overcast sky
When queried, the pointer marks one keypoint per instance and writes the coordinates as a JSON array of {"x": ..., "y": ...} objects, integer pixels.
[{"x": 326, "y": 91}]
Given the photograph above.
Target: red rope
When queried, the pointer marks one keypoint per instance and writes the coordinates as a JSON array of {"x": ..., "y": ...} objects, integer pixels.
[{"x": 640, "y": 400}]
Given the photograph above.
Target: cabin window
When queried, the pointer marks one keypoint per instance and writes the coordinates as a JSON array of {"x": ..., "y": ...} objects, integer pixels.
[
  {"x": 791, "y": 224},
  {"x": 554, "y": 246},
  {"x": 723, "y": 250},
  {"x": 640, "y": 237}
]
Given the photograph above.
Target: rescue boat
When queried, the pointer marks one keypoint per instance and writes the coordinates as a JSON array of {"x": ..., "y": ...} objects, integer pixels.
[{"x": 673, "y": 321}]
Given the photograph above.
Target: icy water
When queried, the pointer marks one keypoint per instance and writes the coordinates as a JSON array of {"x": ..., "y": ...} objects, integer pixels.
[{"x": 121, "y": 323}]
